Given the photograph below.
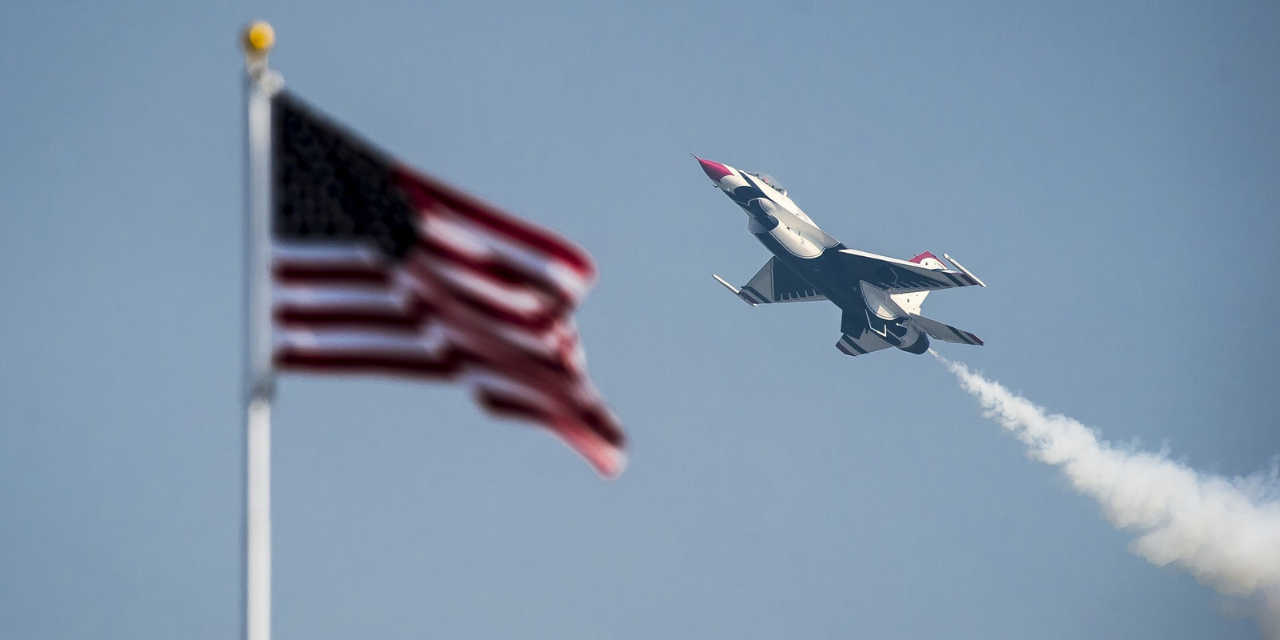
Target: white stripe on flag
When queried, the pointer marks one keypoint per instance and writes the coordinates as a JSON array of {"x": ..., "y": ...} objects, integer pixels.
[
  {"x": 479, "y": 242},
  {"x": 433, "y": 340},
  {"x": 324, "y": 253},
  {"x": 313, "y": 297},
  {"x": 518, "y": 299}
]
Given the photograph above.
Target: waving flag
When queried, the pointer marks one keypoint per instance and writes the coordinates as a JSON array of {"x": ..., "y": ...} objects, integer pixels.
[{"x": 379, "y": 269}]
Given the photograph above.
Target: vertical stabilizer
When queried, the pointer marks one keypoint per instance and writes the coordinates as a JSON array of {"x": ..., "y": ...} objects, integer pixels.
[{"x": 911, "y": 302}]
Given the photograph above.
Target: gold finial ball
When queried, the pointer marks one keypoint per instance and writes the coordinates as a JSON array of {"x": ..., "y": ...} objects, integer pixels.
[{"x": 258, "y": 38}]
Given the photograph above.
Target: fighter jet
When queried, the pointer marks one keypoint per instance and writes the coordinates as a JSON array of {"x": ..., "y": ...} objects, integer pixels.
[{"x": 879, "y": 296}]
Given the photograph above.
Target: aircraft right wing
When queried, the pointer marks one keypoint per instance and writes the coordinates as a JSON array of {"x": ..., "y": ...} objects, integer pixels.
[
  {"x": 775, "y": 282},
  {"x": 901, "y": 276}
]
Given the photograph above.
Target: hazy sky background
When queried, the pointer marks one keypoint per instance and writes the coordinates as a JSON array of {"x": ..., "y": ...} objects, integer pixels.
[{"x": 1112, "y": 172}]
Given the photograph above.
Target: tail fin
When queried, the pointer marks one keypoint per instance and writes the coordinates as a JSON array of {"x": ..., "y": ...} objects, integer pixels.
[
  {"x": 928, "y": 261},
  {"x": 910, "y": 302}
]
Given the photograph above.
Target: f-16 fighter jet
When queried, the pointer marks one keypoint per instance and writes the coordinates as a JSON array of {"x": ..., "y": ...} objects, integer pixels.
[{"x": 880, "y": 296}]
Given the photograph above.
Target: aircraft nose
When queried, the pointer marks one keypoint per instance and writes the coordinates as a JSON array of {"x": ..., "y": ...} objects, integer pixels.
[{"x": 714, "y": 170}]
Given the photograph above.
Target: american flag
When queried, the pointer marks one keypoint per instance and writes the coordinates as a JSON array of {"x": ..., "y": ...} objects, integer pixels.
[{"x": 379, "y": 269}]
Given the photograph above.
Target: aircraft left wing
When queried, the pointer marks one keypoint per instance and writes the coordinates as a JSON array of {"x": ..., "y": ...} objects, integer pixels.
[
  {"x": 775, "y": 282},
  {"x": 901, "y": 276}
]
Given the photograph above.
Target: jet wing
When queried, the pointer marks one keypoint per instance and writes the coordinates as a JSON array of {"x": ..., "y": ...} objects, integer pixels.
[
  {"x": 900, "y": 276},
  {"x": 775, "y": 282}
]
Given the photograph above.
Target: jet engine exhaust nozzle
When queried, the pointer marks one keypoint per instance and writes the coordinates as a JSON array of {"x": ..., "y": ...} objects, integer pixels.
[{"x": 918, "y": 347}]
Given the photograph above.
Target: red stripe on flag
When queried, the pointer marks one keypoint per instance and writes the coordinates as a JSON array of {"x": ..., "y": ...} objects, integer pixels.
[
  {"x": 607, "y": 457},
  {"x": 294, "y": 274},
  {"x": 427, "y": 194},
  {"x": 498, "y": 270}
]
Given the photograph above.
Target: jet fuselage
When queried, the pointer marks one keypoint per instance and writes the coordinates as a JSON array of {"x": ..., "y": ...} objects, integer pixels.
[
  {"x": 790, "y": 235},
  {"x": 879, "y": 296}
]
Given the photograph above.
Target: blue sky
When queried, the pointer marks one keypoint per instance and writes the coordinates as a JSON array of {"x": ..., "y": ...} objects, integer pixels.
[{"x": 1109, "y": 169}]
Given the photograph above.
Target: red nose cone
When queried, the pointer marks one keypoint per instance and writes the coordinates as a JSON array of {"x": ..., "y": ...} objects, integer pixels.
[{"x": 714, "y": 170}]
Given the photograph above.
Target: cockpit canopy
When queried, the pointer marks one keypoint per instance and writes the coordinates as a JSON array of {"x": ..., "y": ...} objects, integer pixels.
[{"x": 768, "y": 179}]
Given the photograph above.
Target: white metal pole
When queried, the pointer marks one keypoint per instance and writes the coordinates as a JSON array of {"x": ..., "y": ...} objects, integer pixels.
[{"x": 261, "y": 84}]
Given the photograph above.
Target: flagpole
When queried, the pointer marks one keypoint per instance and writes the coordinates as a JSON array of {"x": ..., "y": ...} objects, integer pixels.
[{"x": 260, "y": 83}]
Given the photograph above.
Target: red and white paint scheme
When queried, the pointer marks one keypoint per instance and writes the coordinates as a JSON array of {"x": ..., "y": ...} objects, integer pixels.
[{"x": 880, "y": 296}]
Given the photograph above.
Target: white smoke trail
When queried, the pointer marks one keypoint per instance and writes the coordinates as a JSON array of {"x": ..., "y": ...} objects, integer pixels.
[{"x": 1225, "y": 531}]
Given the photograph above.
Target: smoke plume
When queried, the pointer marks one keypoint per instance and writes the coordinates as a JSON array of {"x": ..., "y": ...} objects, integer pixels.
[{"x": 1224, "y": 531}]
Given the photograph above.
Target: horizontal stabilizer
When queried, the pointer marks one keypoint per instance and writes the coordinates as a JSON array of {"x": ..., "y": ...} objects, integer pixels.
[
  {"x": 945, "y": 332},
  {"x": 861, "y": 345},
  {"x": 860, "y": 337}
]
